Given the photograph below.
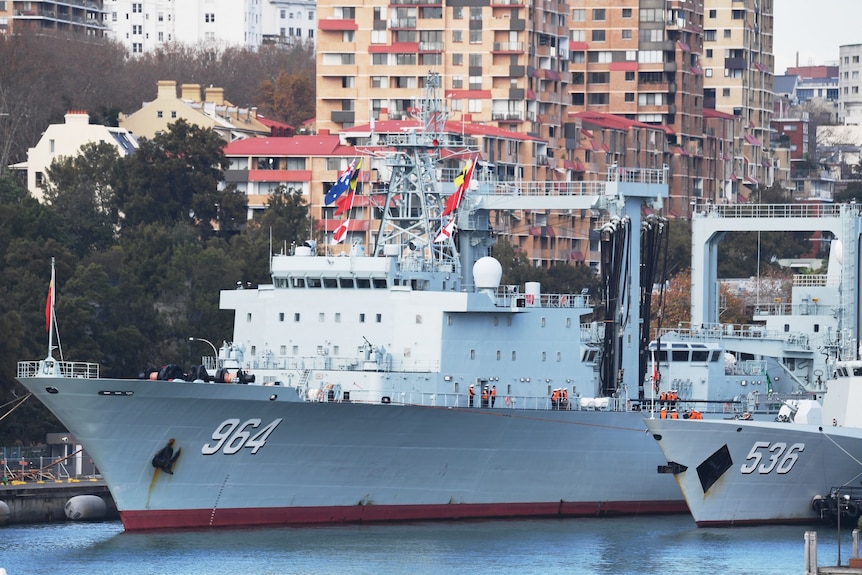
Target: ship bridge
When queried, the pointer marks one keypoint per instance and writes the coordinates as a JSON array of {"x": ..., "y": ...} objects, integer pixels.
[{"x": 712, "y": 222}]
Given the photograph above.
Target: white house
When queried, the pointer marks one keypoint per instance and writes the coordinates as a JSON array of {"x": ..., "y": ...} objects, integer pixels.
[{"x": 66, "y": 140}]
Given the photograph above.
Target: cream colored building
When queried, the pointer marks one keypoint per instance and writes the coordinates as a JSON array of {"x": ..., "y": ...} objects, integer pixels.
[
  {"x": 501, "y": 62},
  {"x": 850, "y": 84},
  {"x": 205, "y": 109},
  {"x": 65, "y": 140},
  {"x": 738, "y": 65}
]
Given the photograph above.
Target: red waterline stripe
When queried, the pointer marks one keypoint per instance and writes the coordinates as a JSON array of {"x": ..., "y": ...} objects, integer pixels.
[{"x": 238, "y": 517}]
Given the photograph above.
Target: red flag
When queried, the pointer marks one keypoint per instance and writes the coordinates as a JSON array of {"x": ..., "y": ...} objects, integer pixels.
[
  {"x": 344, "y": 203},
  {"x": 462, "y": 181},
  {"x": 48, "y": 305}
]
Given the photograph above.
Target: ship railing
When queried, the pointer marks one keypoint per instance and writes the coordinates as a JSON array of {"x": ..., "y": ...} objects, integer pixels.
[
  {"x": 775, "y": 210},
  {"x": 712, "y": 332},
  {"x": 754, "y": 404},
  {"x": 72, "y": 369},
  {"x": 511, "y": 296},
  {"x": 504, "y": 402}
]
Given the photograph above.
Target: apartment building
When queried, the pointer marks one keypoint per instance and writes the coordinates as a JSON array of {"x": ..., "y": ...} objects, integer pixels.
[
  {"x": 289, "y": 22},
  {"x": 738, "y": 67},
  {"x": 850, "y": 84},
  {"x": 640, "y": 59},
  {"x": 143, "y": 25},
  {"x": 85, "y": 17},
  {"x": 502, "y": 62}
]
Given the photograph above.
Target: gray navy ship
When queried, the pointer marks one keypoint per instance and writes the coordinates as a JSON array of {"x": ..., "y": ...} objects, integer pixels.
[{"x": 404, "y": 382}]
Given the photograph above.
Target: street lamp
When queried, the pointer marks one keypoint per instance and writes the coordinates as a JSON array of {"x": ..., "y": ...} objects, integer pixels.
[{"x": 211, "y": 344}]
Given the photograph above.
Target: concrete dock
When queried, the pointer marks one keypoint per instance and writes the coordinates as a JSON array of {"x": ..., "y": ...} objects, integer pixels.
[{"x": 44, "y": 501}]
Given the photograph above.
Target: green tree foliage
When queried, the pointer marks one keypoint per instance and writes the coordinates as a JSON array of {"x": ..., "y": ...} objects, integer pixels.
[
  {"x": 560, "y": 279},
  {"x": 175, "y": 178},
  {"x": 82, "y": 188}
]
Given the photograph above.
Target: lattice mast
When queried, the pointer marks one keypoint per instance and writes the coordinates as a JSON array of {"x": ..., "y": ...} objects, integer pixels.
[{"x": 412, "y": 209}]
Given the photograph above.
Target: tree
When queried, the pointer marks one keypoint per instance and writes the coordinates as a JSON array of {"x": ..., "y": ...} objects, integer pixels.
[
  {"x": 288, "y": 97},
  {"x": 81, "y": 190},
  {"x": 175, "y": 178}
]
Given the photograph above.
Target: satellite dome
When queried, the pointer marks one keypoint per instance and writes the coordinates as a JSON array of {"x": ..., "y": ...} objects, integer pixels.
[{"x": 487, "y": 273}]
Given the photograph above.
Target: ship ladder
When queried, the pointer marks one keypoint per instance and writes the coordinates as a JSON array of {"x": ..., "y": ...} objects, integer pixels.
[{"x": 303, "y": 378}]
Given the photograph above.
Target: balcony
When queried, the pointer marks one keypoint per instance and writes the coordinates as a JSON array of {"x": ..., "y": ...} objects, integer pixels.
[
  {"x": 396, "y": 23},
  {"x": 507, "y": 116},
  {"x": 508, "y": 47}
]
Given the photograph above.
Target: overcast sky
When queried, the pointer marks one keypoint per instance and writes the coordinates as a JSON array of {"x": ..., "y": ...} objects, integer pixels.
[{"x": 815, "y": 29}]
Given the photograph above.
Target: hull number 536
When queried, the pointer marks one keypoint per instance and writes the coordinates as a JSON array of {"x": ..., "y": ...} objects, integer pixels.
[
  {"x": 766, "y": 457},
  {"x": 231, "y": 436}
]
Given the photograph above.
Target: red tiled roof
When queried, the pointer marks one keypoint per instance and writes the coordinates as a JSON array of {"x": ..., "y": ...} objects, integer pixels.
[
  {"x": 710, "y": 113},
  {"x": 451, "y": 127},
  {"x": 304, "y": 146}
]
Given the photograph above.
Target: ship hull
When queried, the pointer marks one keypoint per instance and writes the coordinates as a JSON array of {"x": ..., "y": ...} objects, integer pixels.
[
  {"x": 753, "y": 472},
  {"x": 256, "y": 455}
]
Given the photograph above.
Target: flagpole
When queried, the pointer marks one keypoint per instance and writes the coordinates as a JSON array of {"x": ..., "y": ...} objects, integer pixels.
[{"x": 50, "y": 312}]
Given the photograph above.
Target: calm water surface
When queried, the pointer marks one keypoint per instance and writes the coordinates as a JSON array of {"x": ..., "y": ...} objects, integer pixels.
[{"x": 666, "y": 545}]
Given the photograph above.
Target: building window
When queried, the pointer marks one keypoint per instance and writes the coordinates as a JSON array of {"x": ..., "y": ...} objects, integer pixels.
[
  {"x": 160, "y": 114},
  {"x": 209, "y": 17},
  {"x": 457, "y": 36},
  {"x": 712, "y": 13},
  {"x": 627, "y": 34},
  {"x": 579, "y": 15},
  {"x": 727, "y": 33},
  {"x": 457, "y": 59},
  {"x": 630, "y": 76},
  {"x": 630, "y": 96},
  {"x": 458, "y": 12},
  {"x": 627, "y": 12},
  {"x": 598, "y": 35},
  {"x": 598, "y": 14}
]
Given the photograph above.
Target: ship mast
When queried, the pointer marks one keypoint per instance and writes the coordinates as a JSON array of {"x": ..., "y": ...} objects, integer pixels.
[{"x": 413, "y": 205}]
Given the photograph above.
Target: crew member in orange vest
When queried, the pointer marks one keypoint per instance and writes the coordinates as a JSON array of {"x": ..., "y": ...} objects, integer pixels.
[
  {"x": 484, "y": 396},
  {"x": 565, "y": 402},
  {"x": 663, "y": 412},
  {"x": 555, "y": 399},
  {"x": 470, "y": 394},
  {"x": 674, "y": 414},
  {"x": 493, "y": 395}
]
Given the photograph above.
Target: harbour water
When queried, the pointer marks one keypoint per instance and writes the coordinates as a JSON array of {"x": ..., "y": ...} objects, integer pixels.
[{"x": 662, "y": 545}]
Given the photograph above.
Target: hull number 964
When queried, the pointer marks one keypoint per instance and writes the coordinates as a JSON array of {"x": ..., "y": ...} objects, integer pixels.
[
  {"x": 766, "y": 457},
  {"x": 231, "y": 436}
]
